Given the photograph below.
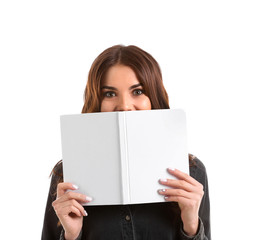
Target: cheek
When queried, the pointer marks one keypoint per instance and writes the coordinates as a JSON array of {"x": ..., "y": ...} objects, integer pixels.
[
  {"x": 145, "y": 103},
  {"x": 106, "y": 106}
]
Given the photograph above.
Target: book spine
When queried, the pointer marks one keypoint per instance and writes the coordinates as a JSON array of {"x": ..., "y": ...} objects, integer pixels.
[{"x": 124, "y": 158}]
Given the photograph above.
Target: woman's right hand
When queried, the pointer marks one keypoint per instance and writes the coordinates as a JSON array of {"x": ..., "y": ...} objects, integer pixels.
[{"x": 69, "y": 209}]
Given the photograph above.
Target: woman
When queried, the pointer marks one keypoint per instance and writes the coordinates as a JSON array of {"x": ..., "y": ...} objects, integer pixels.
[{"x": 126, "y": 79}]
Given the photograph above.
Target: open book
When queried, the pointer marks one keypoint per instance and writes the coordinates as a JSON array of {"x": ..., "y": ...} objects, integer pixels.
[{"x": 118, "y": 157}]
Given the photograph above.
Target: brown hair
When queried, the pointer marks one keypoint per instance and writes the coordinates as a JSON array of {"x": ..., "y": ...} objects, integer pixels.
[
  {"x": 142, "y": 63},
  {"x": 146, "y": 69}
]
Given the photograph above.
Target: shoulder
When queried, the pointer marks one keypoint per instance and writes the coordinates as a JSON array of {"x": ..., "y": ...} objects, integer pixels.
[{"x": 198, "y": 170}]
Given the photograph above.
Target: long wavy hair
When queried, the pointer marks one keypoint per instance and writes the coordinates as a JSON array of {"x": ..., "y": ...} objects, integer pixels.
[{"x": 147, "y": 71}]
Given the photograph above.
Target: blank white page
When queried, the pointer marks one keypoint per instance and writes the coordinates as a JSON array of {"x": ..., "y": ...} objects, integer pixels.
[
  {"x": 156, "y": 141},
  {"x": 91, "y": 155}
]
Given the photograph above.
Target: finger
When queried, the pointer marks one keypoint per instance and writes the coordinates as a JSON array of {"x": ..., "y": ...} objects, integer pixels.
[
  {"x": 76, "y": 196},
  {"x": 181, "y": 200},
  {"x": 76, "y": 205},
  {"x": 176, "y": 193},
  {"x": 62, "y": 208},
  {"x": 183, "y": 176},
  {"x": 67, "y": 210},
  {"x": 179, "y": 184},
  {"x": 64, "y": 186}
]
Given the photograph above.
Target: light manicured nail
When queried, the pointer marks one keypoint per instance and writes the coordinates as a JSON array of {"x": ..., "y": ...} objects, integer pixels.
[
  {"x": 75, "y": 186},
  {"x": 85, "y": 213},
  {"x": 89, "y": 199},
  {"x": 162, "y": 190},
  {"x": 172, "y": 169},
  {"x": 163, "y": 180}
]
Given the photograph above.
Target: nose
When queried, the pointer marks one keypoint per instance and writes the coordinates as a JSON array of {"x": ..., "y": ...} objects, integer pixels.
[{"x": 124, "y": 104}]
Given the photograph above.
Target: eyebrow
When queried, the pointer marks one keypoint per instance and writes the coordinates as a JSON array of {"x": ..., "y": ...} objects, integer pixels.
[{"x": 113, "y": 88}]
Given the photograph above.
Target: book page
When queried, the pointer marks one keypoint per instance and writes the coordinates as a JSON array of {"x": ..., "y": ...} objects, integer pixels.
[
  {"x": 156, "y": 140},
  {"x": 91, "y": 155}
]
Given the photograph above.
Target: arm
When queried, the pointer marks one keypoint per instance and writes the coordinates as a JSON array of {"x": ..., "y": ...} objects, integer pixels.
[
  {"x": 63, "y": 210},
  {"x": 191, "y": 193},
  {"x": 198, "y": 172},
  {"x": 51, "y": 230},
  {"x": 69, "y": 209}
]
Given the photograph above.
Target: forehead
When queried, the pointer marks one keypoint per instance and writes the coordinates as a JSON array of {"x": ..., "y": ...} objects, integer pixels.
[{"x": 120, "y": 74}]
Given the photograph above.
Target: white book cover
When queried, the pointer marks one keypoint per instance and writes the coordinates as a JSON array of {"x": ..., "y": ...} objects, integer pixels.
[{"x": 118, "y": 157}]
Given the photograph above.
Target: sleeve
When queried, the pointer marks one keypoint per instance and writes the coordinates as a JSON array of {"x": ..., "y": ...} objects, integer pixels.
[
  {"x": 198, "y": 172},
  {"x": 51, "y": 230},
  {"x": 199, "y": 236},
  {"x": 63, "y": 238}
]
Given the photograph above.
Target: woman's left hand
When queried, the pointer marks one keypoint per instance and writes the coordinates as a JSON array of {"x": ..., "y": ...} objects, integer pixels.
[{"x": 188, "y": 193}]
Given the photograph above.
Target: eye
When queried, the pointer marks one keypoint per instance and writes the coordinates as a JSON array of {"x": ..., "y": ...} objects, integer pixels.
[
  {"x": 109, "y": 94},
  {"x": 138, "y": 91}
]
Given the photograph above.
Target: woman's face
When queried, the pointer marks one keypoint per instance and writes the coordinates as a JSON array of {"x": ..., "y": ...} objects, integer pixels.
[{"x": 121, "y": 91}]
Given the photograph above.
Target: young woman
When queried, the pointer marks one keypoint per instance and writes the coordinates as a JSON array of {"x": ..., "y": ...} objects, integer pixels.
[{"x": 126, "y": 78}]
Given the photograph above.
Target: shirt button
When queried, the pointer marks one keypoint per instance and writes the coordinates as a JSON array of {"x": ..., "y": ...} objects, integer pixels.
[{"x": 127, "y": 217}]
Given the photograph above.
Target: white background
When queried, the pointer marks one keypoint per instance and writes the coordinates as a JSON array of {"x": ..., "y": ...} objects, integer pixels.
[{"x": 212, "y": 56}]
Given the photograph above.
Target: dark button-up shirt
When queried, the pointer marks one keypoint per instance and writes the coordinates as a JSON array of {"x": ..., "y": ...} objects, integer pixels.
[{"x": 155, "y": 221}]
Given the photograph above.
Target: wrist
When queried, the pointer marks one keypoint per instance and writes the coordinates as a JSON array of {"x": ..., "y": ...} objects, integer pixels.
[
  {"x": 191, "y": 229},
  {"x": 68, "y": 236}
]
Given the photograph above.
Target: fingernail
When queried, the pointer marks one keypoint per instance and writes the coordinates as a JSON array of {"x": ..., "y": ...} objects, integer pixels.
[
  {"x": 75, "y": 186},
  {"x": 172, "y": 169},
  {"x": 89, "y": 199},
  {"x": 163, "y": 180},
  {"x": 162, "y": 190},
  {"x": 85, "y": 213}
]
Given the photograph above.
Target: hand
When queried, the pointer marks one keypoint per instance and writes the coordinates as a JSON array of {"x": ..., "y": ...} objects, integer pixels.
[
  {"x": 69, "y": 210},
  {"x": 188, "y": 193}
]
